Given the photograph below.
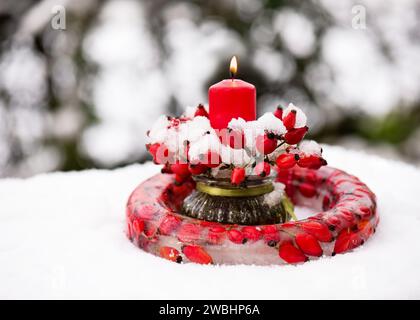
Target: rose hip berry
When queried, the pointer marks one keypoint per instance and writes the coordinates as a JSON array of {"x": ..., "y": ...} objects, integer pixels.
[
  {"x": 169, "y": 223},
  {"x": 138, "y": 226},
  {"x": 216, "y": 235},
  {"x": 308, "y": 244},
  {"x": 289, "y": 253},
  {"x": 238, "y": 176},
  {"x": 289, "y": 120},
  {"x": 278, "y": 113},
  {"x": 294, "y": 136},
  {"x": 265, "y": 144},
  {"x": 236, "y": 236},
  {"x": 307, "y": 190},
  {"x": 180, "y": 169},
  {"x": 318, "y": 230},
  {"x": 197, "y": 254},
  {"x": 189, "y": 232},
  {"x": 286, "y": 160},
  {"x": 251, "y": 233},
  {"x": 201, "y": 112},
  {"x": 170, "y": 254}
]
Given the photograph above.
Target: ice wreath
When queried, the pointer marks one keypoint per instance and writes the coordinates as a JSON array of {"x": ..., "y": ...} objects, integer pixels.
[{"x": 347, "y": 207}]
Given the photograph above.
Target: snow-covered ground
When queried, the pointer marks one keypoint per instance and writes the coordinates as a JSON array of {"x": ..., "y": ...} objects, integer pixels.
[{"x": 61, "y": 236}]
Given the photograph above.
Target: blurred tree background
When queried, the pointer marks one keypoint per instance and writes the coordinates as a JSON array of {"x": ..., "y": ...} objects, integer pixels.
[{"x": 84, "y": 97}]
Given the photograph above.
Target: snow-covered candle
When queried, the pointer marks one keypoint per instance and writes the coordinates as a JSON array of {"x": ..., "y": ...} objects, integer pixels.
[{"x": 230, "y": 99}]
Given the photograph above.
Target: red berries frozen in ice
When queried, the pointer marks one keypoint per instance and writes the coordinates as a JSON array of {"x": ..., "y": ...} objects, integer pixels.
[
  {"x": 346, "y": 240},
  {"x": 189, "y": 232},
  {"x": 169, "y": 223},
  {"x": 138, "y": 226},
  {"x": 266, "y": 143},
  {"x": 308, "y": 190},
  {"x": 289, "y": 253},
  {"x": 318, "y": 230},
  {"x": 308, "y": 244},
  {"x": 236, "y": 236},
  {"x": 197, "y": 254},
  {"x": 170, "y": 254},
  {"x": 237, "y": 176},
  {"x": 251, "y": 233}
]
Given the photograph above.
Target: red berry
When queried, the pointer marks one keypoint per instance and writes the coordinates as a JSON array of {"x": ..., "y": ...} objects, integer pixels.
[
  {"x": 365, "y": 228},
  {"x": 318, "y": 230},
  {"x": 279, "y": 112},
  {"x": 265, "y": 144},
  {"x": 346, "y": 240},
  {"x": 197, "y": 169},
  {"x": 197, "y": 254},
  {"x": 180, "y": 169},
  {"x": 236, "y": 236},
  {"x": 146, "y": 212},
  {"x": 251, "y": 233},
  {"x": 201, "y": 111},
  {"x": 294, "y": 136},
  {"x": 138, "y": 226},
  {"x": 289, "y": 120},
  {"x": 216, "y": 235},
  {"x": 170, "y": 253},
  {"x": 289, "y": 253},
  {"x": 365, "y": 212},
  {"x": 308, "y": 244},
  {"x": 307, "y": 190},
  {"x": 312, "y": 162},
  {"x": 262, "y": 169},
  {"x": 169, "y": 223},
  {"x": 333, "y": 220},
  {"x": 286, "y": 160},
  {"x": 238, "y": 176},
  {"x": 150, "y": 230},
  {"x": 270, "y": 234},
  {"x": 189, "y": 232},
  {"x": 181, "y": 179}
]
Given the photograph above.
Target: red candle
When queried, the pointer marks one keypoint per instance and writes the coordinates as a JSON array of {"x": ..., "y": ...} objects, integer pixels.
[{"x": 230, "y": 99}]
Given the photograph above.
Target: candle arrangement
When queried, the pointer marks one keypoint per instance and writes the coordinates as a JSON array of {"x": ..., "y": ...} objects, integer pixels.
[{"x": 230, "y": 181}]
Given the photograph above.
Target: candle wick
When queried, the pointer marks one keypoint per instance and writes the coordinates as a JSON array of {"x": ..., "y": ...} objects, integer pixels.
[{"x": 232, "y": 75}]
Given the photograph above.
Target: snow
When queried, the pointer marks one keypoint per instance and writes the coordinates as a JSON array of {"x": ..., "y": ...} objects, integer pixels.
[
  {"x": 61, "y": 236},
  {"x": 310, "y": 147}
]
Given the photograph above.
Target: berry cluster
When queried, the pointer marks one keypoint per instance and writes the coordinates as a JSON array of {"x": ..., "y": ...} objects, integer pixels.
[{"x": 188, "y": 145}]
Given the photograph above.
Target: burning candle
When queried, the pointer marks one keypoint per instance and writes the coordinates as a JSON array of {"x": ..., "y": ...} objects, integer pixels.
[{"x": 231, "y": 98}]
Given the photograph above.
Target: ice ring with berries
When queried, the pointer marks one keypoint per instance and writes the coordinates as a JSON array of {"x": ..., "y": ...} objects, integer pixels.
[{"x": 346, "y": 218}]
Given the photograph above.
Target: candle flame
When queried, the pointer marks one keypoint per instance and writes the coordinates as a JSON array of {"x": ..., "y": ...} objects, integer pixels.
[{"x": 233, "y": 66}]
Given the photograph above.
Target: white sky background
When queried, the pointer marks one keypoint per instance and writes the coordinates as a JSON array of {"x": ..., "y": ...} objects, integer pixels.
[{"x": 134, "y": 83}]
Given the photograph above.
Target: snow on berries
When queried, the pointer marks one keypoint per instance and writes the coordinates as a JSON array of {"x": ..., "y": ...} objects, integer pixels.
[{"x": 188, "y": 146}]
